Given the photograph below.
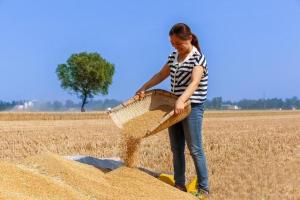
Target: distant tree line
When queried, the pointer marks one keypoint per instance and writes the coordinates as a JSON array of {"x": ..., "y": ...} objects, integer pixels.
[
  {"x": 215, "y": 103},
  {"x": 68, "y": 105},
  {"x": 9, "y": 105},
  {"x": 248, "y": 104}
]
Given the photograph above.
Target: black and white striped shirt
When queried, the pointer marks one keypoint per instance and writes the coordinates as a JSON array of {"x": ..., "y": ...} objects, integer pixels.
[{"x": 181, "y": 74}]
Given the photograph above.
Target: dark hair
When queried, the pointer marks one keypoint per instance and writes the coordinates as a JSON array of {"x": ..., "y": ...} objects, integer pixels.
[{"x": 183, "y": 31}]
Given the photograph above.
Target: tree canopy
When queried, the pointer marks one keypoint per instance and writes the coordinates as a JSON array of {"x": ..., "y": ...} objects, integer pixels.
[{"x": 86, "y": 75}]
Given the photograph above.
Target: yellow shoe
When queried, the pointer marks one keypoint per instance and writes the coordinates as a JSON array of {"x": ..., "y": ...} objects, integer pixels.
[
  {"x": 192, "y": 186},
  {"x": 167, "y": 178}
]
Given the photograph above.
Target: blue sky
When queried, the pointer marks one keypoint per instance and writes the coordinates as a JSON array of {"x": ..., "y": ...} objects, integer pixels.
[{"x": 252, "y": 47}]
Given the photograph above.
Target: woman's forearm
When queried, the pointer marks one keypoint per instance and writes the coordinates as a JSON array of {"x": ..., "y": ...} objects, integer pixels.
[{"x": 156, "y": 79}]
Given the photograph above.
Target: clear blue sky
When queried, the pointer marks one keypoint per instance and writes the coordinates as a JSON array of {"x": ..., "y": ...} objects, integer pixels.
[{"x": 252, "y": 47}]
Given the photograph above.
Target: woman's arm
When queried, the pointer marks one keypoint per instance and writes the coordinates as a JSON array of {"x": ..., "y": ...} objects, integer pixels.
[
  {"x": 156, "y": 79},
  {"x": 195, "y": 80}
]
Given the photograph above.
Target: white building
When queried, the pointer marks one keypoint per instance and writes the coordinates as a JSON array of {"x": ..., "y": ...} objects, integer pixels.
[
  {"x": 27, "y": 106},
  {"x": 230, "y": 107}
]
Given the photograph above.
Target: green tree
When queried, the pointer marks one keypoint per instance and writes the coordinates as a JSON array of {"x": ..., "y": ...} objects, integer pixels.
[
  {"x": 69, "y": 104},
  {"x": 57, "y": 105},
  {"x": 86, "y": 75},
  {"x": 217, "y": 102}
]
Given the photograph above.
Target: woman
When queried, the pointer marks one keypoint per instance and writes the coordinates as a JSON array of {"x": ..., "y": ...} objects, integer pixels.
[{"x": 188, "y": 71}]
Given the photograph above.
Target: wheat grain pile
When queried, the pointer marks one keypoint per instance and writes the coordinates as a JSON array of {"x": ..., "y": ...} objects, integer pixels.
[
  {"x": 135, "y": 129},
  {"x": 49, "y": 176}
]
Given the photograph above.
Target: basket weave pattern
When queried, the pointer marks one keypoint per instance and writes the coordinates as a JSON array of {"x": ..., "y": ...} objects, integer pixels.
[{"x": 153, "y": 99}]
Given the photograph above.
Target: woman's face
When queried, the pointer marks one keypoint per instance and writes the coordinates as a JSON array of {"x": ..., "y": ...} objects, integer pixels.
[{"x": 182, "y": 46}]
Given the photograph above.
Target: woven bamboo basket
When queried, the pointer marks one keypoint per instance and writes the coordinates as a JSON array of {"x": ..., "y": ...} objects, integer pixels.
[{"x": 152, "y": 99}]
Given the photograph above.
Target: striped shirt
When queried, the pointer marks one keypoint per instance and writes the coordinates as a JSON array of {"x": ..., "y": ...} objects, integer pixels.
[{"x": 181, "y": 74}]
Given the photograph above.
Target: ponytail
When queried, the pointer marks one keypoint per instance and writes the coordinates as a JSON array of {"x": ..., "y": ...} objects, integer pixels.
[{"x": 195, "y": 42}]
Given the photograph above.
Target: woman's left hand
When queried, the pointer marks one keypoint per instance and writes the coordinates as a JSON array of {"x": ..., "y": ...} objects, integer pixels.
[{"x": 179, "y": 106}]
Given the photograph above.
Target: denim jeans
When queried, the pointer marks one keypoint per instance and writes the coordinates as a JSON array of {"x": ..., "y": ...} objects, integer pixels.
[{"x": 189, "y": 130}]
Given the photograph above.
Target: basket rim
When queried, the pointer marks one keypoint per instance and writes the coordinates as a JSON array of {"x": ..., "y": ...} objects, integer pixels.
[
  {"x": 114, "y": 112},
  {"x": 147, "y": 93}
]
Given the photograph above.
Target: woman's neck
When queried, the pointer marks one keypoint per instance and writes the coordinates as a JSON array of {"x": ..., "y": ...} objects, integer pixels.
[{"x": 183, "y": 55}]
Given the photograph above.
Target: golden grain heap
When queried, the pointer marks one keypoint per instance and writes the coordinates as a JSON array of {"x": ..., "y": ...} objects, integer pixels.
[
  {"x": 135, "y": 129},
  {"x": 49, "y": 176}
]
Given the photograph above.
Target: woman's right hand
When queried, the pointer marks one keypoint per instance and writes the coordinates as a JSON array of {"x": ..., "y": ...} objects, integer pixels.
[{"x": 140, "y": 93}]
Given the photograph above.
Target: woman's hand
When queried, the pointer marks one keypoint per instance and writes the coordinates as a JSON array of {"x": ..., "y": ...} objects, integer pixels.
[
  {"x": 140, "y": 93},
  {"x": 179, "y": 106}
]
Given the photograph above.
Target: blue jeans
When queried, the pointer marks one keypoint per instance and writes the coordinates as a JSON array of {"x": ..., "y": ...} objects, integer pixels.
[{"x": 189, "y": 130}]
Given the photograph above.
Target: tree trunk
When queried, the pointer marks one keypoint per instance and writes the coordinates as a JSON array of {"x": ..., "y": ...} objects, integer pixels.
[{"x": 83, "y": 103}]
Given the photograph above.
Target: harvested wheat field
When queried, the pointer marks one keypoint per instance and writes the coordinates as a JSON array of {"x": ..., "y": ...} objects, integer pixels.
[{"x": 251, "y": 155}]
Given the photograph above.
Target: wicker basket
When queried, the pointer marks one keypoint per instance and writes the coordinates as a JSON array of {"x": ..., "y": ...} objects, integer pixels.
[{"x": 153, "y": 99}]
